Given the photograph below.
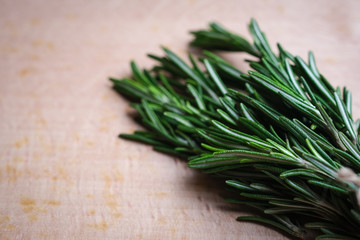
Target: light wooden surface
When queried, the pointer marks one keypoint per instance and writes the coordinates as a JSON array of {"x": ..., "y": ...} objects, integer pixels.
[{"x": 64, "y": 174}]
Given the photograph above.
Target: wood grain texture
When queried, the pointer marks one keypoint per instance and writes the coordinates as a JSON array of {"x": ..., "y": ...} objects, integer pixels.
[{"x": 64, "y": 174}]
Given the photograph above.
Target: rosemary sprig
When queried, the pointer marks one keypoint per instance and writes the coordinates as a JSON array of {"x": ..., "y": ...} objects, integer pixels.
[{"x": 282, "y": 137}]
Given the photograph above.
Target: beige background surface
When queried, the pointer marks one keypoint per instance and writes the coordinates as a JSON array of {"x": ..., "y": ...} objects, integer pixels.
[{"x": 64, "y": 174}]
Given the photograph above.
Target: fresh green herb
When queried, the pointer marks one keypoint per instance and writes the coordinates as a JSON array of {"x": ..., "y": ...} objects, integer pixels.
[{"x": 281, "y": 135}]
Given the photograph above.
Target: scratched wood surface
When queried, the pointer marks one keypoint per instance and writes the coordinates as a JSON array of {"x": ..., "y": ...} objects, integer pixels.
[{"x": 64, "y": 174}]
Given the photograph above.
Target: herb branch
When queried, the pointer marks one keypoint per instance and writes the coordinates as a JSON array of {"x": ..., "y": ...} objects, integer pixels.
[{"x": 281, "y": 136}]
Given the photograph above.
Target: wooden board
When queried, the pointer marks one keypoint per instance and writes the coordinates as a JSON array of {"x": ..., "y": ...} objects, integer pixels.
[{"x": 64, "y": 174}]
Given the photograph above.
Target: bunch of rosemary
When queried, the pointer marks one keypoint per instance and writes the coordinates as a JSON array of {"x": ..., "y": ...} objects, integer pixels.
[{"x": 281, "y": 135}]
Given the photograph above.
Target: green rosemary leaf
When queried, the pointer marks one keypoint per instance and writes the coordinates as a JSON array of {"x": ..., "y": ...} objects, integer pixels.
[
  {"x": 270, "y": 222},
  {"x": 140, "y": 77},
  {"x": 314, "y": 151},
  {"x": 260, "y": 40},
  {"x": 275, "y": 72},
  {"x": 285, "y": 210},
  {"x": 347, "y": 100},
  {"x": 170, "y": 151},
  {"x": 320, "y": 225},
  {"x": 280, "y": 147},
  {"x": 330, "y": 126},
  {"x": 252, "y": 203},
  {"x": 241, "y": 136},
  {"x": 215, "y": 77},
  {"x": 300, "y": 172},
  {"x": 322, "y": 153},
  {"x": 132, "y": 89},
  {"x": 259, "y": 196},
  {"x": 334, "y": 236},
  {"x": 219, "y": 142},
  {"x": 300, "y": 188},
  {"x": 345, "y": 116},
  {"x": 239, "y": 185},
  {"x": 230, "y": 71},
  {"x": 285, "y": 54},
  {"x": 290, "y": 204},
  {"x": 178, "y": 118},
  {"x": 211, "y": 148},
  {"x": 356, "y": 215},
  {"x": 222, "y": 169},
  {"x": 349, "y": 145},
  {"x": 210, "y": 161},
  {"x": 309, "y": 91},
  {"x": 167, "y": 85},
  {"x": 141, "y": 138},
  {"x": 245, "y": 111},
  {"x": 312, "y": 65},
  {"x": 263, "y": 188},
  {"x": 269, "y": 168},
  {"x": 320, "y": 86},
  {"x": 226, "y": 117},
  {"x": 215, "y": 58},
  {"x": 328, "y": 186},
  {"x": 229, "y": 107},
  {"x": 293, "y": 82},
  {"x": 258, "y": 67}
]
